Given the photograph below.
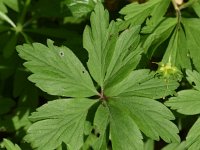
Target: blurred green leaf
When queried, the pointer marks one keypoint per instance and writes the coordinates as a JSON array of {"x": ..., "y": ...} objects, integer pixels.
[
  {"x": 196, "y": 7},
  {"x": 175, "y": 146},
  {"x": 3, "y": 8},
  {"x": 193, "y": 137},
  {"x": 13, "y": 4},
  {"x": 9, "y": 145},
  {"x": 4, "y": 17},
  {"x": 55, "y": 8},
  {"x": 9, "y": 47},
  {"x": 80, "y": 8},
  {"x": 4, "y": 28},
  {"x": 149, "y": 144}
]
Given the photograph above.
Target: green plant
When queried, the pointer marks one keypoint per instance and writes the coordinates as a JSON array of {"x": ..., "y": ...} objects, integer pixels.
[
  {"x": 112, "y": 99},
  {"x": 121, "y": 98}
]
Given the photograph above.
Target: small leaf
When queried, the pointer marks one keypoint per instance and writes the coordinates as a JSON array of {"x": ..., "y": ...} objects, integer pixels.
[
  {"x": 133, "y": 10},
  {"x": 157, "y": 15},
  {"x": 56, "y": 70},
  {"x": 194, "y": 78},
  {"x": 59, "y": 121},
  {"x": 193, "y": 137},
  {"x": 9, "y": 145},
  {"x": 80, "y": 8},
  {"x": 187, "y": 102}
]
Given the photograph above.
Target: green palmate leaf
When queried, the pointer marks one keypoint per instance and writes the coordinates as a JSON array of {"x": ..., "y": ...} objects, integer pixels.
[
  {"x": 192, "y": 30},
  {"x": 143, "y": 83},
  {"x": 108, "y": 53},
  {"x": 59, "y": 121},
  {"x": 187, "y": 101},
  {"x": 57, "y": 70},
  {"x": 125, "y": 104},
  {"x": 160, "y": 34},
  {"x": 150, "y": 116},
  {"x": 193, "y": 137},
  {"x": 137, "y": 13},
  {"x": 177, "y": 52}
]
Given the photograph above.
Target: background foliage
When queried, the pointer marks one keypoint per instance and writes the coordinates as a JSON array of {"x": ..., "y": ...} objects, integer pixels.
[{"x": 96, "y": 53}]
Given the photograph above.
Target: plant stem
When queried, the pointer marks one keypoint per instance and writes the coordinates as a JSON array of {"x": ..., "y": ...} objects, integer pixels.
[
  {"x": 178, "y": 12},
  {"x": 24, "y": 11}
]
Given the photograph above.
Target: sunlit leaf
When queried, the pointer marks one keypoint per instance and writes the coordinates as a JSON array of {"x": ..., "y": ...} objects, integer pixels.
[{"x": 57, "y": 70}]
